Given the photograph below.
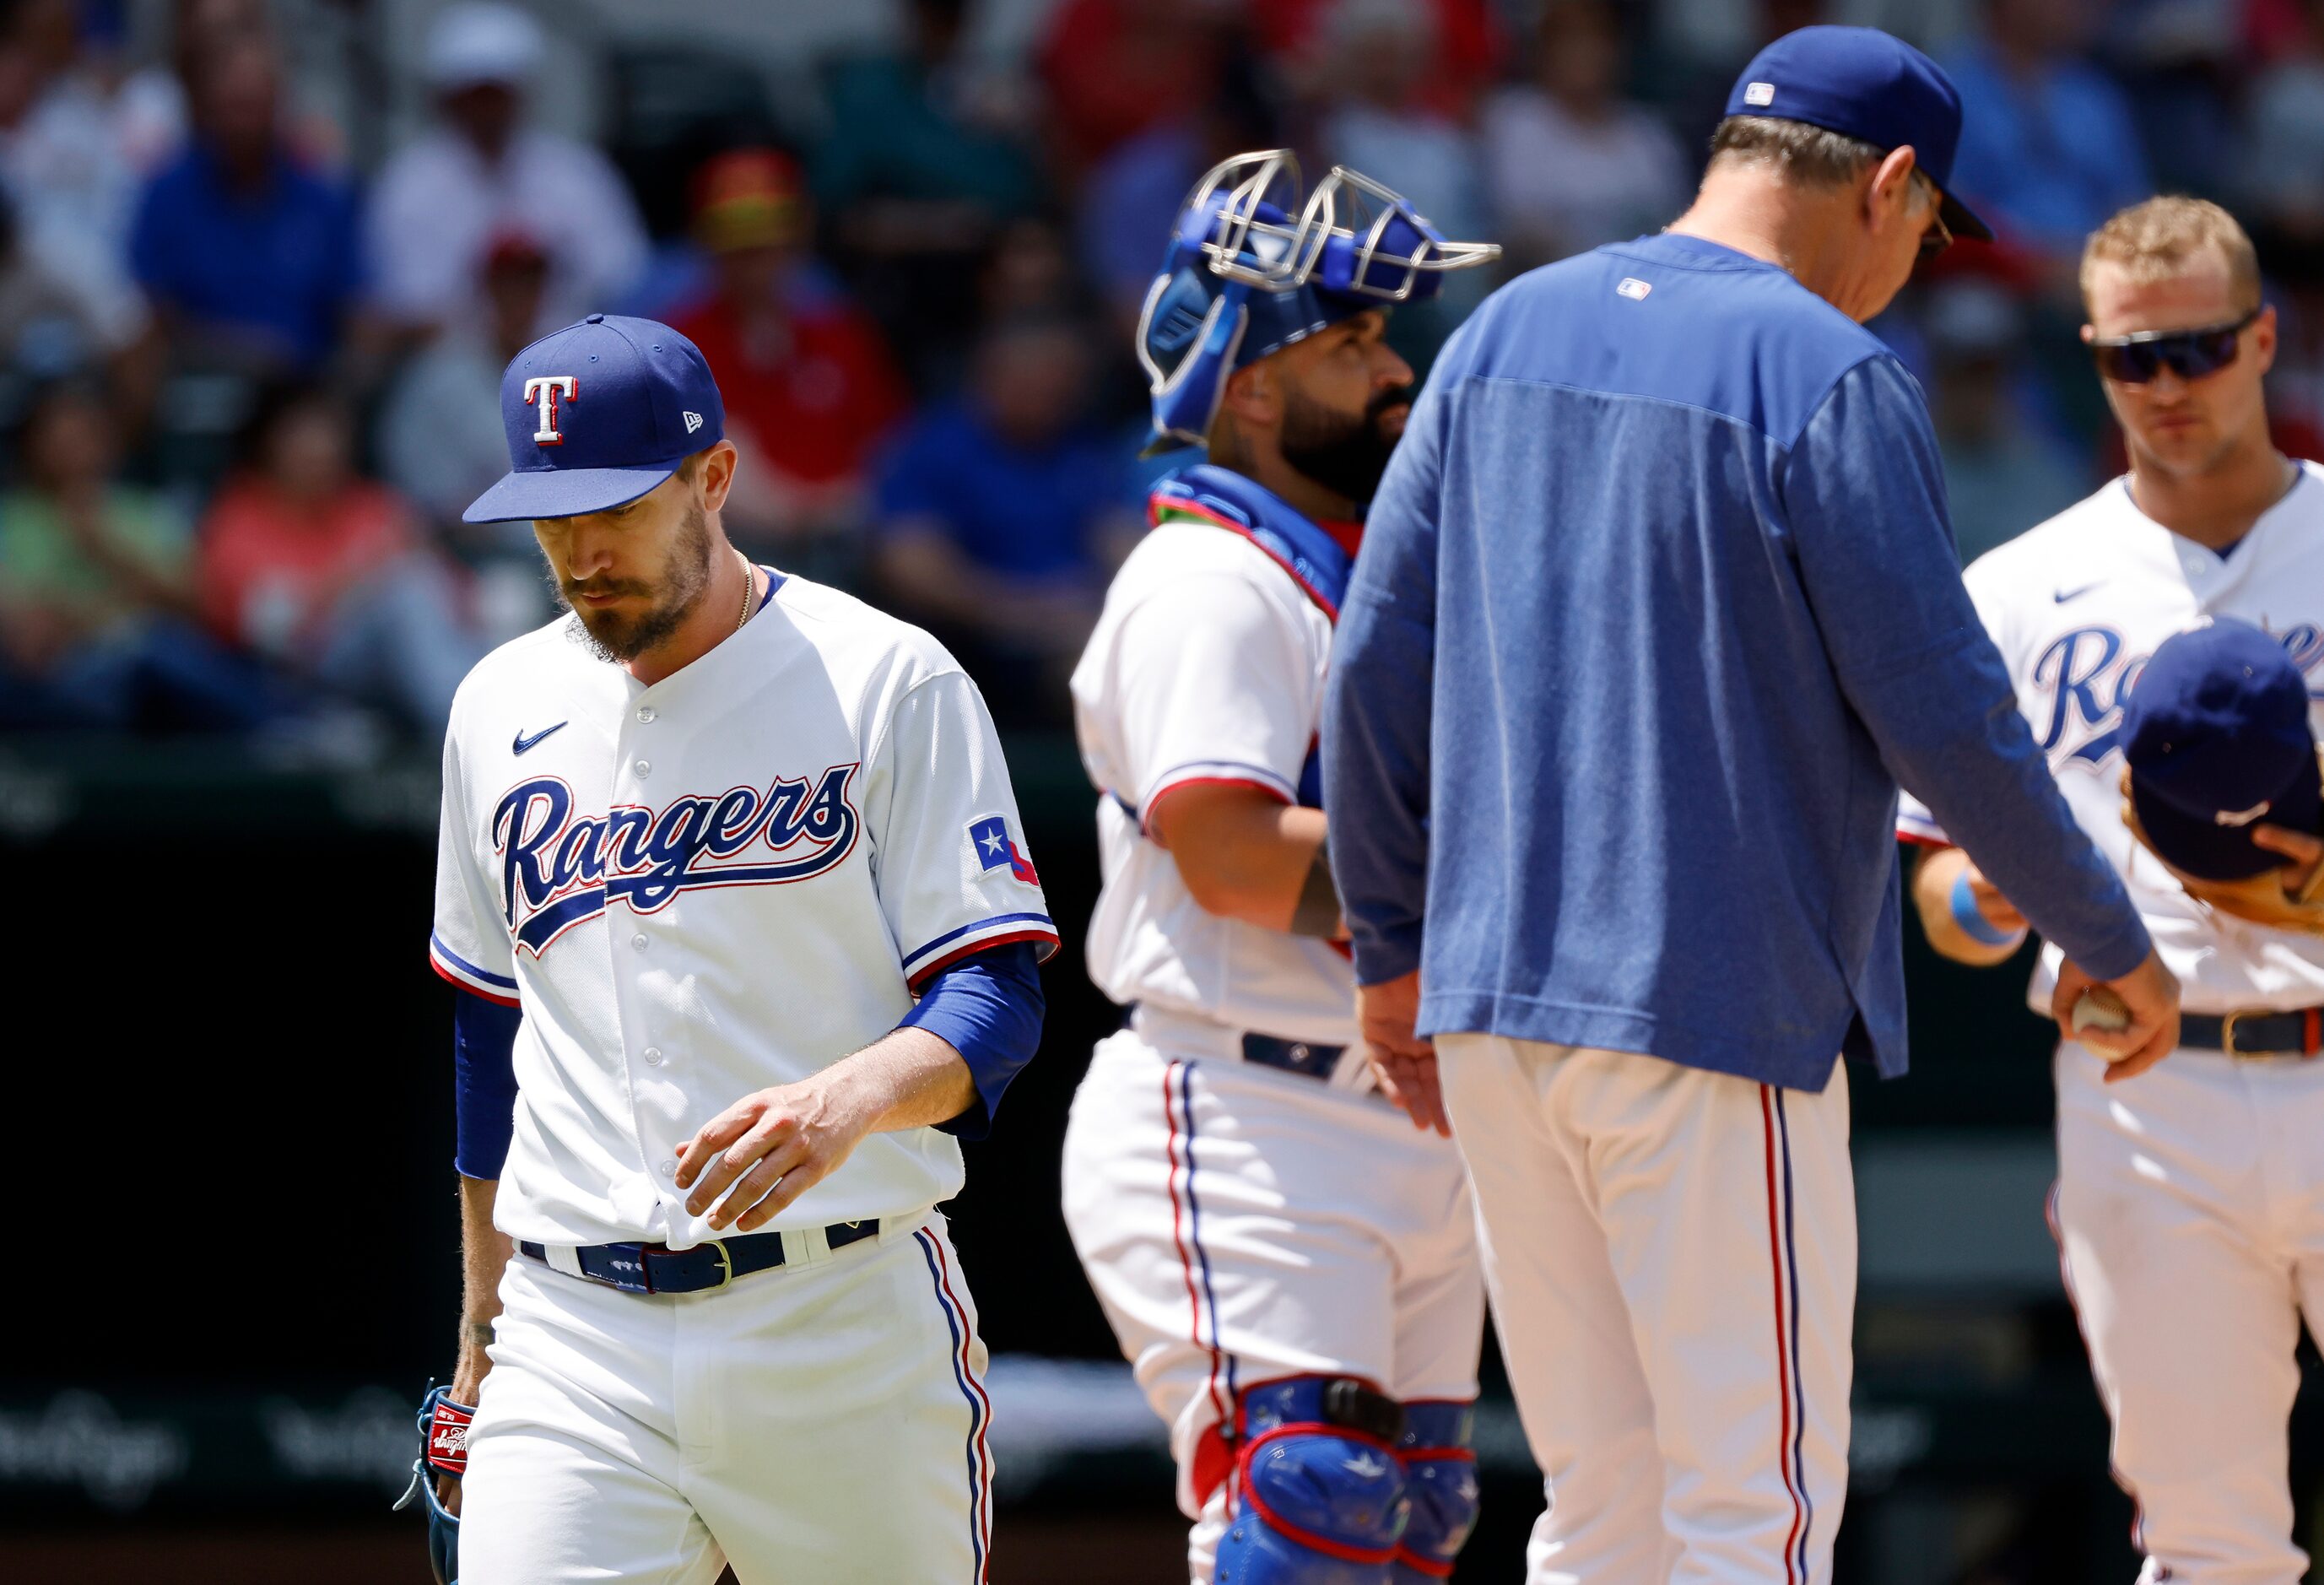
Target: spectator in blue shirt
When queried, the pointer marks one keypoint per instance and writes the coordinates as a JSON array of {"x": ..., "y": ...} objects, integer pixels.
[
  {"x": 2049, "y": 148},
  {"x": 249, "y": 254},
  {"x": 1001, "y": 513}
]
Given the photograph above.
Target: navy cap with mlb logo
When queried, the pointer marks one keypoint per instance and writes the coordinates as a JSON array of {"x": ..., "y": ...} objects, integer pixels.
[
  {"x": 1870, "y": 85},
  {"x": 2217, "y": 735},
  {"x": 599, "y": 413}
]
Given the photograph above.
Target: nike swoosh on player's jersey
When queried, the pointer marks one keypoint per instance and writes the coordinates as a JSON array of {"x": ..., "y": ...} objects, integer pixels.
[
  {"x": 523, "y": 743},
  {"x": 2062, "y": 596}
]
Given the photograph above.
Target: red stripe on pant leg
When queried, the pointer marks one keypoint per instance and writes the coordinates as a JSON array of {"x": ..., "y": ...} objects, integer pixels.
[
  {"x": 968, "y": 1371},
  {"x": 1186, "y": 1256},
  {"x": 1783, "y": 1351}
]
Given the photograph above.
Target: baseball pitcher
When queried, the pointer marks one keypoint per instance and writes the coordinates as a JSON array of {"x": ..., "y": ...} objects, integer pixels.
[{"x": 736, "y": 894}]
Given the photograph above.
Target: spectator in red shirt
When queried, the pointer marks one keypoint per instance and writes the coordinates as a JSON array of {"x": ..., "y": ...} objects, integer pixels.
[
  {"x": 322, "y": 571},
  {"x": 809, "y": 387},
  {"x": 1114, "y": 68}
]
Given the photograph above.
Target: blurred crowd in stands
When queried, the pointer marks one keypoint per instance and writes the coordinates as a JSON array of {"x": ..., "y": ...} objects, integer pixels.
[{"x": 248, "y": 379}]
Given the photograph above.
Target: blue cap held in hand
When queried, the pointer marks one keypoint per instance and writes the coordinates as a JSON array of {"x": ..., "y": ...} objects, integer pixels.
[
  {"x": 597, "y": 414},
  {"x": 1870, "y": 85},
  {"x": 2217, "y": 736}
]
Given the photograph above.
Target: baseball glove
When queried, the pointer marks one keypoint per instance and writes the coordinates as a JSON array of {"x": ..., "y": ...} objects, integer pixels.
[{"x": 443, "y": 1451}]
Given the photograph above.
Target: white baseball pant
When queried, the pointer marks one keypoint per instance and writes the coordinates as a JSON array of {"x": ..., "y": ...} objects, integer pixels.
[
  {"x": 816, "y": 1422},
  {"x": 2190, "y": 1214},
  {"x": 1241, "y": 1225},
  {"x": 1672, "y": 1260}
]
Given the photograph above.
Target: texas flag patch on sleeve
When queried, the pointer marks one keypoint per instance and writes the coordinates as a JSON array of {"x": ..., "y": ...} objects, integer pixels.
[{"x": 989, "y": 839}]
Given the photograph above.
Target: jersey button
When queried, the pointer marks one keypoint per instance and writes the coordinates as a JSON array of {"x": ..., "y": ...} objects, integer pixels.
[
  {"x": 653, "y": 1057},
  {"x": 669, "y": 1167},
  {"x": 645, "y": 713},
  {"x": 638, "y": 941},
  {"x": 644, "y": 769}
]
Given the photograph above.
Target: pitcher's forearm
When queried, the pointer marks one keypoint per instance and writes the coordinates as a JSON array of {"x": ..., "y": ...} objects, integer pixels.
[
  {"x": 906, "y": 1079},
  {"x": 484, "y": 1253}
]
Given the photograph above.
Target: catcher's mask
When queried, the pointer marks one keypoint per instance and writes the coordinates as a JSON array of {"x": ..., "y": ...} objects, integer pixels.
[
  {"x": 1254, "y": 265},
  {"x": 2216, "y": 737}
]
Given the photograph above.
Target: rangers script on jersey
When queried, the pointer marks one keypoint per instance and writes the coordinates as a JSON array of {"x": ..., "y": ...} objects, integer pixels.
[
  {"x": 2076, "y": 605},
  {"x": 725, "y": 880}
]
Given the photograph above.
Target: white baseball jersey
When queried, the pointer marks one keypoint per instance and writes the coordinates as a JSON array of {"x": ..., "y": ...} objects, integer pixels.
[
  {"x": 728, "y": 880},
  {"x": 2076, "y": 605},
  {"x": 1207, "y": 664}
]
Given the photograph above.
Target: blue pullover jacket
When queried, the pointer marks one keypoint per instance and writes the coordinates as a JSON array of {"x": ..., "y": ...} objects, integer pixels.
[{"x": 1656, "y": 607}]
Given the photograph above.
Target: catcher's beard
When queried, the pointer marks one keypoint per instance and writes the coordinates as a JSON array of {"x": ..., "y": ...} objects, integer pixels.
[
  {"x": 1344, "y": 453},
  {"x": 616, "y": 638}
]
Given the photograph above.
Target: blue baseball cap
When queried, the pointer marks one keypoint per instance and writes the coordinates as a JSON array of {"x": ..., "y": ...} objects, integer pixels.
[
  {"x": 1867, "y": 85},
  {"x": 597, "y": 414},
  {"x": 2216, "y": 734}
]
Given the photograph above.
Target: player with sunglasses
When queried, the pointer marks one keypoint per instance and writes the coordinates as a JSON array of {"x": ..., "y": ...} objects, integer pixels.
[{"x": 2190, "y": 1274}]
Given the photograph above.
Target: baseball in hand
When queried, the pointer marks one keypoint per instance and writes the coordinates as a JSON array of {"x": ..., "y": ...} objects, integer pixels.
[{"x": 2100, "y": 1009}]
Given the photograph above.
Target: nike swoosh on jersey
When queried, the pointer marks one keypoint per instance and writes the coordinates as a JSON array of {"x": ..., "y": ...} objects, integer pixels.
[
  {"x": 2062, "y": 596},
  {"x": 523, "y": 743}
]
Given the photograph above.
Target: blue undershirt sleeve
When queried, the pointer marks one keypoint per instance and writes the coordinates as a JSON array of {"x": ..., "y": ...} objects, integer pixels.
[
  {"x": 484, "y": 1083},
  {"x": 988, "y": 1007}
]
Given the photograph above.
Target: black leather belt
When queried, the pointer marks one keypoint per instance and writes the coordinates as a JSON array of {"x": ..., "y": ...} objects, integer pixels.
[
  {"x": 657, "y": 1268},
  {"x": 1293, "y": 1056},
  {"x": 2299, "y": 1033}
]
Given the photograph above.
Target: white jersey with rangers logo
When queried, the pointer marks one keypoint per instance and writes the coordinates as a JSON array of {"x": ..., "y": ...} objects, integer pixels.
[
  {"x": 2076, "y": 605},
  {"x": 1248, "y": 1209},
  {"x": 1206, "y": 665},
  {"x": 727, "y": 879}
]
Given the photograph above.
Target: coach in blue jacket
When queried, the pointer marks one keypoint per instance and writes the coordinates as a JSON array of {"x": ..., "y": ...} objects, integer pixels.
[{"x": 1656, "y": 607}]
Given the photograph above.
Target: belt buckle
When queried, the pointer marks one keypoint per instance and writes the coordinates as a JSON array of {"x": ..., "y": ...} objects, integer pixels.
[
  {"x": 725, "y": 1264},
  {"x": 2228, "y": 1037},
  {"x": 2228, "y": 1034}
]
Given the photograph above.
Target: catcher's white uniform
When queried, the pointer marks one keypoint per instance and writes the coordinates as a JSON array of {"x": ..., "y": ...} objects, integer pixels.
[{"x": 1241, "y": 1221}]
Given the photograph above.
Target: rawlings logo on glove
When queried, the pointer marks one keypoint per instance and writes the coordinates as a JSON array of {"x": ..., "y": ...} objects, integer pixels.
[{"x": 448, "y": 1438}]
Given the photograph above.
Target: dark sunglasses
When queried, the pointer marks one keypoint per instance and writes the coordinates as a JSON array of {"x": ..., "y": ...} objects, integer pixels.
[{"x": 2134, "y": 360}]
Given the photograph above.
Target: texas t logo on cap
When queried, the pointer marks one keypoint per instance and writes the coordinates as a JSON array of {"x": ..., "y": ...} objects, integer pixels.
[
  {"x": 652, "y": 404},
  {"x": 542, "y": 391}
]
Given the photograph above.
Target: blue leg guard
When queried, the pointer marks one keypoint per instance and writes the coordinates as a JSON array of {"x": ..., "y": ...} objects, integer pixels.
[
  {"x": 1441, "y": 1475},
  {"x": 1315, "y": 1502}
]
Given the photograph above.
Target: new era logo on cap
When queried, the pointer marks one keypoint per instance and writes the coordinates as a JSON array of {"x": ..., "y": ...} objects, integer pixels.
[
  {"x": 693, "y": 422},
  {"x": 1759, "y": 94}
]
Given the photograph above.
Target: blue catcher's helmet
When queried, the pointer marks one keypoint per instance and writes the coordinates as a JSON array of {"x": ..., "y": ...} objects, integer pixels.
[{"x": 1254, "y": 266}]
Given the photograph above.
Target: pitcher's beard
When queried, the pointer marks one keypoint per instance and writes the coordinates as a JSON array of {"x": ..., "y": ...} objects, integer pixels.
[{"x": 617, "y": 638}]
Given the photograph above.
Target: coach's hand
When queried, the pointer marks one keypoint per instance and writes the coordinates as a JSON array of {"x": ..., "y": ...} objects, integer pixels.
[
  {"x": 771, "y": 1146},
  {"x": 2151, "y": 996},
  {"x": 1403, "y": 1062}
]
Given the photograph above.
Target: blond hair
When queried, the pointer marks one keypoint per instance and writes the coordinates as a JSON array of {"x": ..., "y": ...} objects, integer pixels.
[{"x": 2163, "y": 237}]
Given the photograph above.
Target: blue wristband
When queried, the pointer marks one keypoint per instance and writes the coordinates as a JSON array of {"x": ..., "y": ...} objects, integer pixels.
[{"x": 1973, "y": 923}]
